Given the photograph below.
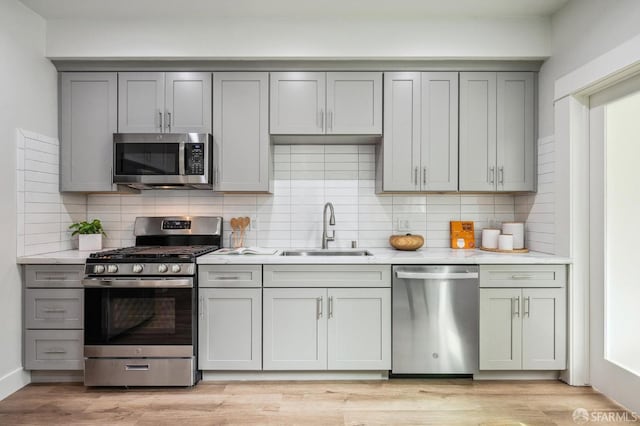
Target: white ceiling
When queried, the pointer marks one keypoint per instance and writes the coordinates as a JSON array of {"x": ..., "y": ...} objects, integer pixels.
[{"x": 395, "y": 9}]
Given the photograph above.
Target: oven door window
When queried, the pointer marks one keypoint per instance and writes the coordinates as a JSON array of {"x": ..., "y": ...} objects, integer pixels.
[
  {"x": 135, "y": 159},
  {"x": 138, "y": 316}
]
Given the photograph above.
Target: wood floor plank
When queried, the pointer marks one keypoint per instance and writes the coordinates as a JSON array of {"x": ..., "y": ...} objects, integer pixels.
[{"x": 397, "y": 401}]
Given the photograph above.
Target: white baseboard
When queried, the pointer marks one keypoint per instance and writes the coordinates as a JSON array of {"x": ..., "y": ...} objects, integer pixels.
[
  {"x": 517, "y": 375},
  {"x": 293, "y": 375},
  {"x": 13, "y": 381}
]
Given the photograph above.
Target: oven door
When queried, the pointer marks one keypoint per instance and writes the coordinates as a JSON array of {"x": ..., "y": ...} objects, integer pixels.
[{"x": 139, "y": 312}]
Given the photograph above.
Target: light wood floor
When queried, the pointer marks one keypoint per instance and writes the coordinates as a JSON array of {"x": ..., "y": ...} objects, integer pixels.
[{"x": 407, "y": 401}]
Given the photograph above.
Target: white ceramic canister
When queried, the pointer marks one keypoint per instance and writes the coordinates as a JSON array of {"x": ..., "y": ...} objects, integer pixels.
[
  {"x": 490, "y": 238},
  {"x": 505, "y": 242},
  {"x": 517, "y": 230}
]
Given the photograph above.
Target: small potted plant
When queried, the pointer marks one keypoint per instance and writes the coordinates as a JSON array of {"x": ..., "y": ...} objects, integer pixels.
[{"x": 89, "y": 234}]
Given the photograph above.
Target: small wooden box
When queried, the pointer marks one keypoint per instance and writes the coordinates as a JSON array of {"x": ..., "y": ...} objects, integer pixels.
[{"x": 462, "y": 235}]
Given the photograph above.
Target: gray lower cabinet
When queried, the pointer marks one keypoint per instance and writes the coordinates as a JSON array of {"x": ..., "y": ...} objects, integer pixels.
[
  {"x": 242, "y": 153},
  {"x": 230, "y": 317},
  {"x": 311, "y": 327},
  {"x": 420, "y": 144},
  {"x": 88, "y": 120},
  {"x": 54, "y": 320},
  {"x": 497, "y": 130},
  {"x": 523, "y": 327},
  {"x": 327, "y": 329},
  {"x": 157, "y": 102}
]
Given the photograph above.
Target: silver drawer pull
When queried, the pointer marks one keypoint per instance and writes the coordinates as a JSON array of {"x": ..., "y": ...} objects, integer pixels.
[
  {"x": 55, "y": 351},
  {"x": 137, "y": 367},
  {"x": 52, "y": 277},
  {"x": 227, "y": 278},
  {"x": 521, "y": 277},
  {"x": 54, "y": 310}
]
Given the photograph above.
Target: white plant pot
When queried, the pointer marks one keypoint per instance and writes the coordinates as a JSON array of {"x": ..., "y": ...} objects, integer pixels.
[{"x": 89, "y": 242}]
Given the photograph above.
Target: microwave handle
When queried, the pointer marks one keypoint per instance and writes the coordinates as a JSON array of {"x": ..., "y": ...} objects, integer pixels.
[{"x": 183, "y": 159}]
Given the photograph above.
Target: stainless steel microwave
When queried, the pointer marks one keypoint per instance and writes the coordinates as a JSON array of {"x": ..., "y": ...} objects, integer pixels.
[{"x": 163, "y": 160}]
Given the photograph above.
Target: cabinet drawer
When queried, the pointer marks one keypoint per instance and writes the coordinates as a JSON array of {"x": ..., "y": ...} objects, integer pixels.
[
  {"x": 327, "y": 276},
  {"x": 230, "y": 276},
  {"x": 48, "y": 276},
  {"x": 54, "y": 350},
  {"x": 54, "y": 308},
  {"x": 523, "y": 275}
]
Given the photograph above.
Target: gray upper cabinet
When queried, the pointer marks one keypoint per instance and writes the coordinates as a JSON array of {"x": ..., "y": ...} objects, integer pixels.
[
  {"x": 317, "y": 103},
  {"x": 297, "y": 102},
  {"x": 497, "y": 131},
  {"x": 420, "y": 147},
  {"x": 155, "y": 102},
  {"x": 88, "y": 119},
  {"x": 354, "y": 103},
  {"x": 241, "y": 132},
  {"x": 515, "y": 131}
]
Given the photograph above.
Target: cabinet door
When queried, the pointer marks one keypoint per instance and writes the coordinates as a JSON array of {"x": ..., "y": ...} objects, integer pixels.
[
  {"x": 439, "y": 139},
  {"x": 241, "y": 132},
  {"x": 515, "y": 132},
  {"x": 229, "y": 330},
  {"x": 297, "y": 103},
  {"x": 295, "y": 329},
  {"x": 88, "y": 120},
  {"x": 188, "y": 102},
  {"x": 141, "y": 102},
  {"x": 500, "y": 329},
  {"x": 477, "y": 131},
  {"x": 401, "y": 142},
  {"x": 359, "y": 329},
  {"x": 544, "y": 329},
  {"x": 354, "y": 103}
]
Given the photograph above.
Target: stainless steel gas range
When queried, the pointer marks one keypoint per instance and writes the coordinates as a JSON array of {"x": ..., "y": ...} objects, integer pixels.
[{"x": 140, "y": 312}]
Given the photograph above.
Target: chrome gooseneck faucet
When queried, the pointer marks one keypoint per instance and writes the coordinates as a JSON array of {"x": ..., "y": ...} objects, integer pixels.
[{"x": 332, "y": 221}]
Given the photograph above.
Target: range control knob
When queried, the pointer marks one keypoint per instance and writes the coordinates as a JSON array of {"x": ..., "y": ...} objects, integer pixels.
[
  {"x": 162, "y": 268},
  {"x": 175, "y": 268},
  {"x": 112, "y": 269},
  {"x": 137, "y": 268},
  {"x": 98, "y": 269}
]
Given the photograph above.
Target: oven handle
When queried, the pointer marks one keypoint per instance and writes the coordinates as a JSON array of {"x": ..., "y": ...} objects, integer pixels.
[{"x": 139, "y": 283}]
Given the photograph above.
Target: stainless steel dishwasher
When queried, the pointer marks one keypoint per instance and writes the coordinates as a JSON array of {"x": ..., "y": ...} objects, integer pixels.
[{"x": 435, "y": 319}]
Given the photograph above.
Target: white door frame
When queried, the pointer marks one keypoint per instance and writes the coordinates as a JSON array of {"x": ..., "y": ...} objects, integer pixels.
[{"x": 573, "y": 188}]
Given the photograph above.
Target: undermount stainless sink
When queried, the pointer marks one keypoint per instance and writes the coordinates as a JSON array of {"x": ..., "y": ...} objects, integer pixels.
[{"x": 326, "y": 253}]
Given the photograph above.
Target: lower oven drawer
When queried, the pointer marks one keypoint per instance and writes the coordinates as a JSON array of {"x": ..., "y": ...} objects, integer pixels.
[
  {"x": 53, "y": 350},
  {"x": 139, "y": 372}
]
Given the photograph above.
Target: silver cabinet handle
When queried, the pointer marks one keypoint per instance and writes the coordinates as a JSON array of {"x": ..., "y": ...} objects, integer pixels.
[
  {"x": 161, "y": 121},
  {"x": 201, "y": 307},
  {"x": 517, "y": 302},
  {"x": 527, "y": 305},
  {"x": 492, "y": 174},
  {"x": 52, "y": 277},
  {"x": 54, "y": 310},
  {"x": 521, "y": 277},
  {"x": 424, "y": 175},
  {"x": 322, "y": 119},
  {"x": 330, "y": 119},
  {"x": 415, "y": 176},
  {"x": 501, "y": 175},
  {"x": 55, "y": 351},
  {"x": 331, "y": 307},
  {"x": 169, "y": 121},
  {"x": 227, "y": 278},
  {"x": 137, "y": 367},
  {"x": 319, "y": 307}
]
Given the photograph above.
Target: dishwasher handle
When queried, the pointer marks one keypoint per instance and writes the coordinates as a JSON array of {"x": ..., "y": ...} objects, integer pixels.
[{"x": 436, "y": 275}]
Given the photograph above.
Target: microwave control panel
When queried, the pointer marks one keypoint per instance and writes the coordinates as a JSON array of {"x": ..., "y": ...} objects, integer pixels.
[{"x": 194, "y": 159}]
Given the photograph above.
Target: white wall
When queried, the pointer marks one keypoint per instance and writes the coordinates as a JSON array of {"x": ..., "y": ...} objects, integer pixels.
[
  {"x": 256, "y": 38},
  {"x": 28, "y": 100},
  {"x": 307, "y": 176}
]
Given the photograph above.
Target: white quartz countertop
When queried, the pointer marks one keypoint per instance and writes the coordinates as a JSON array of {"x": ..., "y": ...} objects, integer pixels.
[
  {"x": 380, "y": 256},
  {"x": 391, "y": 256},
  {"x": 67, "y": 257}
]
